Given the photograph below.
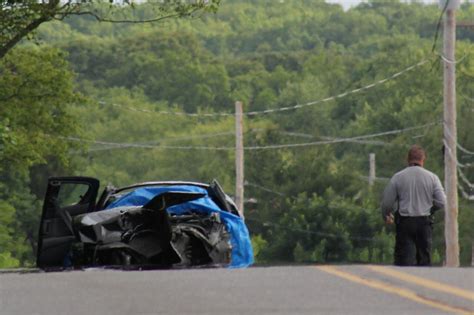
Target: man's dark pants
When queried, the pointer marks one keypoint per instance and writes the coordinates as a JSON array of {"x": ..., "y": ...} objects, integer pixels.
[{"x": 413, "y": 241}]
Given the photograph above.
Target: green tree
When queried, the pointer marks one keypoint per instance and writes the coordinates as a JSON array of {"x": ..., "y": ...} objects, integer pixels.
[
  {"x": 36, "y": 92},
  {"x": 311, "y": 203},
  {"x": 18, "y": 19}
]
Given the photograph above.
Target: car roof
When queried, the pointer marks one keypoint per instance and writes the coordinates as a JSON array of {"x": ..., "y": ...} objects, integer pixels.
[{"x": 161, "y": 183}]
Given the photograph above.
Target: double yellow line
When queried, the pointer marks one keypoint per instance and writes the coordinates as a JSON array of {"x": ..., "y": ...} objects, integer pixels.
[{"x": 406, "y": 293}]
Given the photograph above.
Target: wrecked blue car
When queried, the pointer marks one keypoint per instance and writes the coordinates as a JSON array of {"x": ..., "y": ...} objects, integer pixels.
[{"x": 146, "y": 225}]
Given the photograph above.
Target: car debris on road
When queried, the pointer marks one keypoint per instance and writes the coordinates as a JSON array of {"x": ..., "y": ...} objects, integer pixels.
[{"x": 147, "y": 225}]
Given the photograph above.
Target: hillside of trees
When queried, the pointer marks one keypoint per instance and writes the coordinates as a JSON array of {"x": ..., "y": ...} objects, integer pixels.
[{"x": 127, "y": 103}]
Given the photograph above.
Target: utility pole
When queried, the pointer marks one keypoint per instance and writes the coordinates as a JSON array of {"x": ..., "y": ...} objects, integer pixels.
[
  {"x": 450, "y": 134},
  {"x": 371, "y": 169},
  {"x": 239, "y": 158},
  {"x": 472, "y": 255}
]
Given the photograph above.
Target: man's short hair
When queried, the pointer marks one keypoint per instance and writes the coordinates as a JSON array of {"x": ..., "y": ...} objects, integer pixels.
[{"x": 416, "y": 154}]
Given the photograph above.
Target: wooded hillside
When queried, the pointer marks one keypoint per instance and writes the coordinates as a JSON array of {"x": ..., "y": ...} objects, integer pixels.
[{"x": 130, "y": 103}]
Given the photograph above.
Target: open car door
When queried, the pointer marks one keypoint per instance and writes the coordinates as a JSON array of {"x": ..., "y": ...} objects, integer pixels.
[{"x": 65, "y": 198}]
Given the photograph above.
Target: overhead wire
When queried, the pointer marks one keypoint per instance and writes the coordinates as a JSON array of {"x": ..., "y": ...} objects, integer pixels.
[
  {"x": 465, "y": 195},
  {"x": 459, "y": 146},
  {"x": 448, "y": 132},
  {"x": 275, "y": 110},
  {"x": 247, "y": 183},
  {"x": 447, "y": 60},
  {"x": 200, "y": 136},
  {"x": 107, "y": 146},
  {"x": 310, "y": 136},
  {"x": 341, "y": 95},
  {"x": 340, "y": 140},
  {"x": 460, "y": 165},
  {"x": 165, "y": 112},
  {"x": 438, "y": 25},
  {"x": 369, "y": 142},
  {"x": 114, "y": 145},
  {"x": 267, "y": 147},
  {"x": 464, "y": 179},
  {"x": 450, "y": 153}
]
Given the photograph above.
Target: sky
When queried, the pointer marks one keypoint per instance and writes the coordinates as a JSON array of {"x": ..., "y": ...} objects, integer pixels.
[{"x": 348, "y": 3}]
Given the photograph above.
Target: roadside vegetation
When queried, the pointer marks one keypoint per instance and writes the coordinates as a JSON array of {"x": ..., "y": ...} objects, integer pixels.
[{"x": 100, "y": 99}]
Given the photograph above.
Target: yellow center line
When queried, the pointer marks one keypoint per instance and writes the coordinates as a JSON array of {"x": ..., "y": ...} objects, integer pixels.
[
  {"x": 394, "y": 290},
  {"x": 424, "y": 282}
]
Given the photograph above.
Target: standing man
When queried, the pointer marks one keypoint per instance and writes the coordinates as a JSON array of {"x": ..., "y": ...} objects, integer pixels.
[{"x": 413, "y": 194}]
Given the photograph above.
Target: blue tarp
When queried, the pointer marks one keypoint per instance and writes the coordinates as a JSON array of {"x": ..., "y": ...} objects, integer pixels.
[{"x": 242, "y": 253}]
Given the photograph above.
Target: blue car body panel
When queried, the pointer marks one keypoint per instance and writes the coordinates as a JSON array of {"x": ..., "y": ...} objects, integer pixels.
[{"x": 242, "y": 253}]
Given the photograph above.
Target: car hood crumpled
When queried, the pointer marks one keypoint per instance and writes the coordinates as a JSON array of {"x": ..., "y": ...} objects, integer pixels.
[{"x": 242, "y": 254}]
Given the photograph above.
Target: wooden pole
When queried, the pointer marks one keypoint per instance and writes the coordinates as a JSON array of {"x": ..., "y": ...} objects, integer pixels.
[
  {"x": 239, "y": 158},
  {"x": 472, "y": 254},
  {"x": 371, "y": 169},
  {"x": 450, "y": 137}
]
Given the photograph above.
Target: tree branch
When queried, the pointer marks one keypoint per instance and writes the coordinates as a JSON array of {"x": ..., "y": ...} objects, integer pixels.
[
  {"x": 19, "y": 36},
  {"x": 103, "y": 19},
  {"x": 47, "y": 14},
  {"x": 41, "y": 12}
]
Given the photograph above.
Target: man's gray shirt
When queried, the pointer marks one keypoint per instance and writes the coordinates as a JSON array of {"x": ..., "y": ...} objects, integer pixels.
[{"x": 413, "y": 191}]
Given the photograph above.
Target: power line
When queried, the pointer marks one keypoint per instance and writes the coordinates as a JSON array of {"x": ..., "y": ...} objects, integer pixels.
[
  {"x": 447, "y": 60},
  {"x": 185, "y": 138},
  {"x": 464, "y": 179},
  {"x": 438, "y": 26},
  {"x": 339, "y": 140},
  {"x": 465, "y": 194},
  {"x": 202, "y": 136},
  {"x": 275, "y": 110},
  {"x": 141, "y": 110},
  {"x": 246, "y": 183},
  {"x": 310, "y": 136},
  {"x": 448, "y": 149},
  {"x": 460, "y": 147},
  {"x": 114, "y": 146},
  {"x": 460, "y": 187},
  {"x": 369, "y": 142},
  {"x": 268, "y": 147},
  {"x": 332, "y": 98},
  {"x": 464, "y": 149},
  {"x": 152, "y": 144},
  {"x": 145, "y": 146},
  {"x": 107, "y": 146}
]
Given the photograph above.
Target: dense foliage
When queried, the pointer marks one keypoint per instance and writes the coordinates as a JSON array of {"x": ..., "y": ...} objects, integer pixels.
[
  {"x": 95, "y": 99},
  {"x": 20, "y": 19}
]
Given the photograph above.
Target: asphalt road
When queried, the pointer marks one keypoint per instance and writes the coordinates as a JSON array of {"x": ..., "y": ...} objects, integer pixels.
[{"x": 270, "y": 290}]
